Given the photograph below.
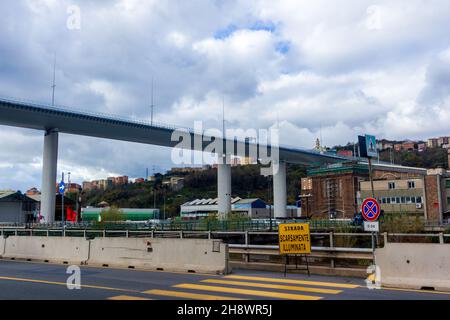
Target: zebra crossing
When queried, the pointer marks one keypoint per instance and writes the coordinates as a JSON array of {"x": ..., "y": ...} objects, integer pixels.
[{"x": 242, "y": 287}]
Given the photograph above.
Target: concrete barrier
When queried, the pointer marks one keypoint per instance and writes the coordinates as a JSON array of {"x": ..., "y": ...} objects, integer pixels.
[
  {"x": 184, "y": 255},
  {"x": 414, "y": 265},
  {"x": 2, "y": 246},
  {"x": 49, "y": 249}
]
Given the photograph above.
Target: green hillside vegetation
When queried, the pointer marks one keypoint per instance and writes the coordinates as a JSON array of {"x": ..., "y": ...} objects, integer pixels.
[
  {"x": 430, "y": 158},
  {"x": 247, "y": 182}
]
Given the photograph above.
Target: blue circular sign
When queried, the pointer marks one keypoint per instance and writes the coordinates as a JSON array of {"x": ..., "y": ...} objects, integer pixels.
[{"x": 370, "y": 209}]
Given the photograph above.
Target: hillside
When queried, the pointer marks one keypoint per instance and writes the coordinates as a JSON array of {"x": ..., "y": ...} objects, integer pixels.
[
  {"x": 430, "y": 158},
  {"x": 246, "y": 183}
]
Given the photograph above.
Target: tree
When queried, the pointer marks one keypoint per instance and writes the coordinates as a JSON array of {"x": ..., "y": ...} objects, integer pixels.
[{"x": 113, "y": 214}]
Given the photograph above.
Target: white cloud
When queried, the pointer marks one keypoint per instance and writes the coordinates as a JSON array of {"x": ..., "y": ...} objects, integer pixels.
[{"x": 320, "y": 68}]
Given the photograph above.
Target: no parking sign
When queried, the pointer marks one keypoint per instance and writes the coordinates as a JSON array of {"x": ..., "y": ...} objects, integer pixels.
[{"x": 370, "y": 210}]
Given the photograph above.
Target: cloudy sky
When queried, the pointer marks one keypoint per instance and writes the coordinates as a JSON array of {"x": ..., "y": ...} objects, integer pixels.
[{"x": 322, "y": 67}]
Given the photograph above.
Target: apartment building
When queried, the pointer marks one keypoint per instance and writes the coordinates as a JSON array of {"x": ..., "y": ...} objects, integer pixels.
[{"x": 396, "y": 195}]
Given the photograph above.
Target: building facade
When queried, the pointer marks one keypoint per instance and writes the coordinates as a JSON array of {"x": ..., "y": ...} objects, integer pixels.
[
  {"x": 331, "y": 192},
  {"x": 396, "y": 195},
  {"x": 432, "y": 143},
  {"x": 16, "y": 207},
  {"x": 337, "y": 191},
  {"x": 437, "y": 185},
  {"x": 252, "y": 208}
]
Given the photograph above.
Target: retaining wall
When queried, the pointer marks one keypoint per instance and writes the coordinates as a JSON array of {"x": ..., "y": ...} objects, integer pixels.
[{"x": 414, "y": 265}]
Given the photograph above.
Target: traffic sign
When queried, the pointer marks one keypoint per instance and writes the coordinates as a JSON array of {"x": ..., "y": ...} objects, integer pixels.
[
  {"x": 372, "y": 226},
  {"x": 62, "y": 187},
  {"x": 367, "y": 146},
  {"x": 370, "y": 210},
  {"x": 371, "y": 146},
  {"x": 294, "y": 238}
]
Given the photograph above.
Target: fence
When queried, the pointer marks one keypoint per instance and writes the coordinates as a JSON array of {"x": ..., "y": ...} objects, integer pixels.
[
  {"x": 330, "y": 249},
  {"x": 201, "y": 225}
]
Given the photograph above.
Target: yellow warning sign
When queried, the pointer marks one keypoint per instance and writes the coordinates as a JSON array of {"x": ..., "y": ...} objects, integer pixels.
[{"x": 294, "y": 238}]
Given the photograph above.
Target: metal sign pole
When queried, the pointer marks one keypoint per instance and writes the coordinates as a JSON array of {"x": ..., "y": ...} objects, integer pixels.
[
  {"x": 285, "y": 264},
  {"x": 373, "y": 247},
  {"x": 371, "y": 177},
  {"x": 62, "y": 201}
]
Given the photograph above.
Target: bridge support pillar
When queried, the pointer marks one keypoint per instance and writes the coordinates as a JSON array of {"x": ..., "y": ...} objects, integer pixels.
[
  {"x": 49, "y": 167},
  {"x": 224, "y": 187},
  {"x": 279, "y": 191}
]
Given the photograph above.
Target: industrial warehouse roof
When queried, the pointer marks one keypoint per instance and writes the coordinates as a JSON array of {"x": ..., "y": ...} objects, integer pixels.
[
  {"x": 244, "y": 201},
  {"x": 208, "y": 202},
  {"x": 204, "y": 202},
  {"x": 14, "y": 196}
]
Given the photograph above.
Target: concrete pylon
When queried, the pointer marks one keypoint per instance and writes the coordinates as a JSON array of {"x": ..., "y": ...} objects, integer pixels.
[
  {"x": 49, "y": 167},
  {"x": 224, "y": 187},
  {"x": 279, "y": 191}
]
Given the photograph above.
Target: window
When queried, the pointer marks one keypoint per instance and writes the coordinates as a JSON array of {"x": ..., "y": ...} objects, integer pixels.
[
  {"x": 447, "y": 183},
  {"x": 403, "y": 200},
  {"x": 383, "y": 200},
  {"x": 398, "y": 200},
  {"x": 391, "y": 185},
  {"x": 411, "y": 185},
  {"x": 388, "y": 200},
  {"x": 448, "y": 201},
  {"x": 413, "y": 199},
  {"x": 393, "y": 200},
  {"x": 408, "y": 200},
  {"x": 419, "y": 200}
]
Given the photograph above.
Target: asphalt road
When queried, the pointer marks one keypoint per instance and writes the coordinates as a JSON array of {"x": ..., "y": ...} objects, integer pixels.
[{"x": 36, "y": 281}]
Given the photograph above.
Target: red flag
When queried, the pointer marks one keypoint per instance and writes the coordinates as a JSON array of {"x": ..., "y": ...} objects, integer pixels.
[{"x": 71, "y": 215}]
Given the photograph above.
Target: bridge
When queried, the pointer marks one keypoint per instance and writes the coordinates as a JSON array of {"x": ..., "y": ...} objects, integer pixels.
[{"x": 54, "y": 120}]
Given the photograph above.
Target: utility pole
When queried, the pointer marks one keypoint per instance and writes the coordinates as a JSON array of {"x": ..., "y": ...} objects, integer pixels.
[
  {"x": 68, "y": 178},
  {"x": 152, "y": 106},
  {"x": 54, "y": 81},
  {"x": 62, "y": 201},
  {"x": 369, "y": 159},
  {"x": 164, "y": 206}
]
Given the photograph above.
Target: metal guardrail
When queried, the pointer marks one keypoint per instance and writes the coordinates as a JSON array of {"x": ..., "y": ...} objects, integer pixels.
[
  {"x": 437, "y": 224},
  {"x": 190, "y": 225},
  {"x": 5, "y": 231},
  {"x": 246, "y": 249}
]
